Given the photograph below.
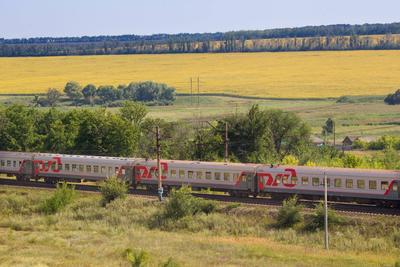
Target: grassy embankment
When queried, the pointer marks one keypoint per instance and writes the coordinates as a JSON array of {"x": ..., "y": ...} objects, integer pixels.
[{"x": 87, "y": 234}]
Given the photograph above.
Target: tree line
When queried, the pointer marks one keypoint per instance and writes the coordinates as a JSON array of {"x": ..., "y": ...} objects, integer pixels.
[
  {"x": 258, "y": 136},
  {"x": 330, "y": 37},
  {"x": 148, "y": 92}
]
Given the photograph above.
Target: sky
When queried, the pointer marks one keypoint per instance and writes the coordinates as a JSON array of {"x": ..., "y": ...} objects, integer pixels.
[{"x": 56, "y": 18}]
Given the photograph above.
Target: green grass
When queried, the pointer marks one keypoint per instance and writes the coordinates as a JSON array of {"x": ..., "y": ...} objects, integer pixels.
[{"x": 87, "y": 234}]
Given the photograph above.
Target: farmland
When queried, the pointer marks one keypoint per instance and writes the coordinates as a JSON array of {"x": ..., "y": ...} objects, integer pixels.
[{"x": 276, "y": 75}]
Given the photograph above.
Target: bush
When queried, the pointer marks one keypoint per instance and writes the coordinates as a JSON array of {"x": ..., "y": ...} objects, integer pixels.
[
  {"x": 111, "y": 189},
  {"x": 170, "y": 263},
  {"x": 63, "y": 196},
  {"x": 289, "y": 214},
  {"x": 137, "y": 258},
  {"x": 393, "y": 99},
  {"x": 181, "y": 203},
  {"x": 318, "y": 218}
]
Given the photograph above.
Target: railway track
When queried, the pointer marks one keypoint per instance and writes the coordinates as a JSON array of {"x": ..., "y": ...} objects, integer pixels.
[{"x": 349, "y": 208}]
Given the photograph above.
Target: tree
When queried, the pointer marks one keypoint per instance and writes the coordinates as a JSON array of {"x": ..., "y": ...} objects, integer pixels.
[
  {"x": 133, "y": 112},
  {"x": 393, "y": 99},
  {"x": 108, "y": 93},
  {"x": 73, "y": 91},
  {"x": 53, "y": 96},
  {"x": 89, "y": 92}
]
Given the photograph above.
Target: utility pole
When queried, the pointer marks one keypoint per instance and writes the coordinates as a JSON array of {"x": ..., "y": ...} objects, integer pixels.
[
  {"x": 198, "y": 92},
  {"x": 226, "y": 143},
  {"x": 191, "y": 91},
  {"x": 159, "y": 172},
  {"x": 326, "y": 211},
  {"x": 334, "y": 134}
]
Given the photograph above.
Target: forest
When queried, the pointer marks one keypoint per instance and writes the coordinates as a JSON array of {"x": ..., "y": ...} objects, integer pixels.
[{"x": 308, "y": 38}]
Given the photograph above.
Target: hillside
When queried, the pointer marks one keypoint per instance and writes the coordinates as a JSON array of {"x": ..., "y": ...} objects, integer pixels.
[{"x": 309, "y": 38}]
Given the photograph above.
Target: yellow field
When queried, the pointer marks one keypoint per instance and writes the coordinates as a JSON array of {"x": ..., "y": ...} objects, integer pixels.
[{"x": 291, "y": 74}]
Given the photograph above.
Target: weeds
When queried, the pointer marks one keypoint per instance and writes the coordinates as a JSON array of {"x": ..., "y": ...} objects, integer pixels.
[
  {"x": 137, "y": 258},
  {"x": 317, "y": 220},
  {"x": 61, "y": 198},
  {"x": 111, "y": 189},
  {"x": 290, "y": 213}
]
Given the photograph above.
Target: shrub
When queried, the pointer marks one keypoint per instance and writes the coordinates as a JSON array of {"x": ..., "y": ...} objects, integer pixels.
[
  {"x": 137, "y": 258},
  {"x": 181, "y": 203},
  {"x": 393, "y": 99},
  {"x": 318, "y": 218},
  {"x": 289, "y": 214},
  {"x": 170, "y": 263},
  {"x": 111, "y": 189},
  {"x": 63, "y": 196}
]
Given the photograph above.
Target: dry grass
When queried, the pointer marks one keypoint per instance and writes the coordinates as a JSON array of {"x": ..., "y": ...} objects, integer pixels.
[
  {"x": 293, "y": 74},
  {"x": 86, "y": 234}
]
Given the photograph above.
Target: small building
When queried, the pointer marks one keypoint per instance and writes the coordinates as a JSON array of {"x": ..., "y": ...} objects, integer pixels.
[
  {"x": 316, "y": 141},
  {"x": 348, "y": 141}
]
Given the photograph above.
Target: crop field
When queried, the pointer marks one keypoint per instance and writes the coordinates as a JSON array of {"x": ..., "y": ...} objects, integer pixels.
[{"x": 280, "y": 75}]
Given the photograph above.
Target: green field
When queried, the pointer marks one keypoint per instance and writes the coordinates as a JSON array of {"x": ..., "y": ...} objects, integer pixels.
[{"x": 87, "y": 234}]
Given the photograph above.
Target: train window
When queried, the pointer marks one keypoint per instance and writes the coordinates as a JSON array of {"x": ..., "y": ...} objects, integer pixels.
[
  {"x": 360, "y": 184},
  {"x": 190, "y": 174},
  {"x": 53, "y": 166},
  {"x": 67, "y": 167},
  {"x": 2, "y": 163},
  {"x": 81, "y": 168},
  {"x": 338, "y": 182},
  {"x": 181, "y": 174},
  {"x": 14, "y": 164},
  {"x": 217, "y": 176},
  {"x": 199, "y": 175},
  {"x": 278, "y": 179},
  {"x": 59, "y": 167},
  {"x": 285, "y": 179},
  {"x": 116, "y": 170},
  {"x": 315, "y": 181},
  {"x": 294, "y": 180},
  {"x": 103, "y": 169},
  {"x": 235, "y": 176},
  {"x": 384, "y": 185},
  {"x": 74, "y": 167},
  {"x": 173, "y": 173},
  {"x": 394, "y": 187},
  {"x": 208, "y": 175},
  {"x": 8, "y": 163},
  {"x": 110, "y": 170},
  {"x": 349, "y": 183},
  {"x": 95, "y": 168},
  {"x": 227, "y": 175},
  {"x": 372, "y": 184},
  {"x": 304, "y": 180},
  {"x": 88, "y": 168}
]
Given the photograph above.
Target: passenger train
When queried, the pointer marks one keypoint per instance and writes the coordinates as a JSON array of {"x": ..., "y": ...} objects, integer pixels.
[{"x": 238, "y": 179}]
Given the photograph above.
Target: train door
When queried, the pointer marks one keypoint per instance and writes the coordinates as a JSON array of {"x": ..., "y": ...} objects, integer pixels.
[
  {"x": 126, "y": 173},
  {"x": 250, "y": 179}
]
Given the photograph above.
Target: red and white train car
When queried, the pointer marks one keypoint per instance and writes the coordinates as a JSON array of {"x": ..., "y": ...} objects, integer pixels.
[{"x": 370, "y": 186}]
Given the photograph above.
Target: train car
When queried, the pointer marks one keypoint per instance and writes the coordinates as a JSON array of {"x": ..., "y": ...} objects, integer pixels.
[{"x": 238, "y": 179}]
